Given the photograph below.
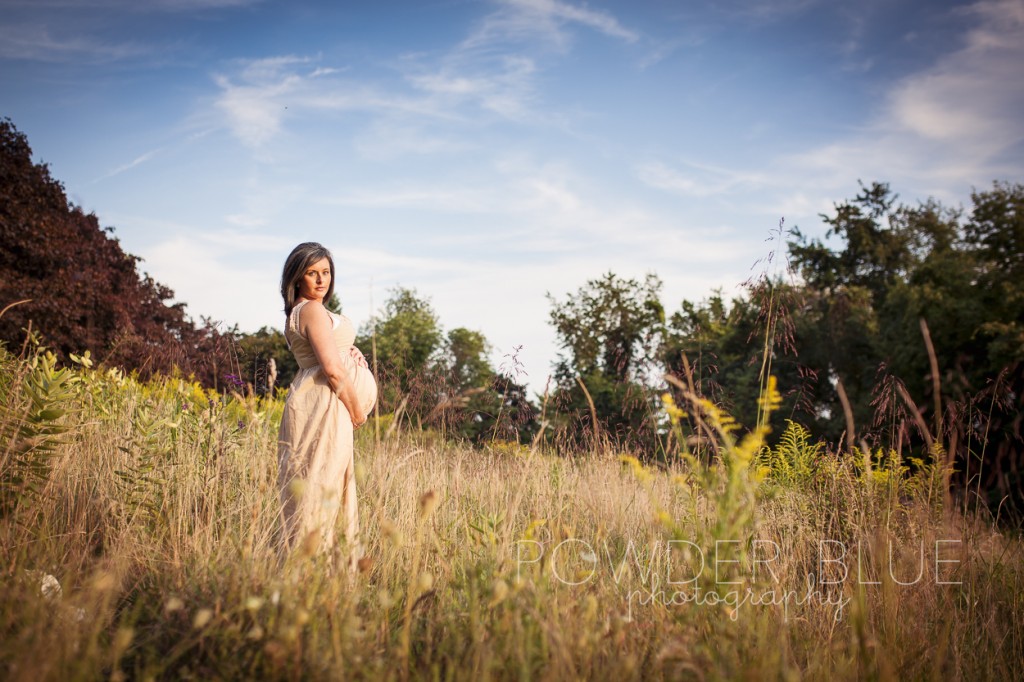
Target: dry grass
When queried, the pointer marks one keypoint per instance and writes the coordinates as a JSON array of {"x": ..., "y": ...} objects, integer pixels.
[{"x": 156, "y": 512}]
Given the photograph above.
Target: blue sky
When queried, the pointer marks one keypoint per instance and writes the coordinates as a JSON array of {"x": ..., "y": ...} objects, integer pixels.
[{"x": 487, "y": 152}]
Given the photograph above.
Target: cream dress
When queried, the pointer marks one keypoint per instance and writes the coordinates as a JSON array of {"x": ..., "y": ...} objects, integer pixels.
[{"x": 316, "y": 474}]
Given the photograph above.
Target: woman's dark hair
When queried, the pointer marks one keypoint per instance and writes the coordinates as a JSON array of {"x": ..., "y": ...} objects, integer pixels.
[{"x": 299, "y": 260}]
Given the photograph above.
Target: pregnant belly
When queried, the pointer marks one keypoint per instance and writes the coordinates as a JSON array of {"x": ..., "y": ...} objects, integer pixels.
[{"x": 366, "y": 387}]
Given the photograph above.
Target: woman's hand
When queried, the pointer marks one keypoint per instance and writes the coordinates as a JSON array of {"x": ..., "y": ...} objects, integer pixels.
[
  {"x": 358, "y": 419},
  {"x": 357, "y": 356},
  {"x": 360, "y": 361}
]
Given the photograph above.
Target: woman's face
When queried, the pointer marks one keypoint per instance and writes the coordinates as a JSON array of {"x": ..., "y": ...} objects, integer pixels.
[{"x": 316, "y": 280}]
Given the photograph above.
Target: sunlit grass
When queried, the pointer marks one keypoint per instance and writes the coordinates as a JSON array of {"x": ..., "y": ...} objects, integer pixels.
[{"x": 154, "y": 508}]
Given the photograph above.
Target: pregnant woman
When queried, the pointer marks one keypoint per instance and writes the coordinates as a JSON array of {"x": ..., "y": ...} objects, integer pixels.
[{"x": 330, "y": 396}]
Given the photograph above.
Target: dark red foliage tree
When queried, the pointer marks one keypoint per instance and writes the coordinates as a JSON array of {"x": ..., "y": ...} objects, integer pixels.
[{"x": 83, "y": 290}]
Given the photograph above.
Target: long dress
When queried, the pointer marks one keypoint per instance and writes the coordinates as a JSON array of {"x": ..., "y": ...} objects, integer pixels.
[{"x": 316, "y": 474}]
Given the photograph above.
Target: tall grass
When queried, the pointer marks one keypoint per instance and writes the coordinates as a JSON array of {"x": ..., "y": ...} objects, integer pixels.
[{"x": 138, "y": 542}]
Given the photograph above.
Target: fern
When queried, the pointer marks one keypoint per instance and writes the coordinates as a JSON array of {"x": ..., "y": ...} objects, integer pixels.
[
  {"x": 31, "y": 424},
  {"x": 141, "y": 481},
  {"x": 793, "y": 459}
]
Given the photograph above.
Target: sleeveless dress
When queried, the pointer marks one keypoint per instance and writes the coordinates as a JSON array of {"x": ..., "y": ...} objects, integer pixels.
[{"x": 316, "y": 475}]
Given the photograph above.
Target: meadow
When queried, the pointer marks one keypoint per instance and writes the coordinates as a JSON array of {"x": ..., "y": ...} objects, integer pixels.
[{"x": 138, "y": 541}]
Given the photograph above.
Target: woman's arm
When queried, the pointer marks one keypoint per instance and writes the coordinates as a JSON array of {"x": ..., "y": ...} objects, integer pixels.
[{"x": 315, "y": 324}]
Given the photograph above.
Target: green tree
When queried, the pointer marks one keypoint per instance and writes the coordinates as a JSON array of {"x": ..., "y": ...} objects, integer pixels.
[
  {"x": 721, "y": 348},
  {"x": 995, "y": 233},
  {"x": 466, "y": 359},
  {"x": 877, "y": 245},
  {"x": 477, "y": 403},
  {"x": 406, "y": 335},
  {"x": 255, "y": 350},
  {"x": 863, "y": 301},
  {"x": 333, "y": 303},
  {"x": 609, "y": 331},
  {"x": 962, "y": 275},
  {"x": 708, "y": 343},
  {"x": 610, "y": 325}
]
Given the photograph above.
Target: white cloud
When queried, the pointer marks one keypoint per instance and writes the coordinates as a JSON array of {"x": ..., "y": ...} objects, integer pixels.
[
  {"x": 255, "y": 106},
  {"x": 253, "y": 114},
  {"x": 203, "y": 270},
  {"x": 234, "y": 275},
  {"x": 952, "y": 124},
  {"x": 451, "y": 85}
]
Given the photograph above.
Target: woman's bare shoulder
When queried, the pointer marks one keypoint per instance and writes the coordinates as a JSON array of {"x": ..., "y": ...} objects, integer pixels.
[{"x": 313, "y": 312}]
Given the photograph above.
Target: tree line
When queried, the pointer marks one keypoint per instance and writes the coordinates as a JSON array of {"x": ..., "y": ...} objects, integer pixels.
[
  {"x": 902, "y": 330},
  {"x": 902, "y": 327}
]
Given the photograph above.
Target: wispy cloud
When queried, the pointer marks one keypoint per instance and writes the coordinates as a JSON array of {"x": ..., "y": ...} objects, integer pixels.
[
  {"x": 518, "y": 204},
  {"x": 492, "y": 73},
  {"x": 186, "y": 5},
  {"x": 137, "y": 161},
  {"x": 265, "y": 203},
  {"x": 422, "y": 197},
  {"x": 764, "y": 10},
  {"x": 546, "y": 21},
  {"x": 660, "y": 50},
  {"x": 39, "y": 43},
  {"x": 261, "y": 94},
  {"x": 856, "y": 20},
  {"x": 132, "y": 5},
  {"x": 72, "y": 31},
  {"x": 503, "y": 86},
  {"x": 393, "y": 137},
  {"x": 697, "y": 180}
]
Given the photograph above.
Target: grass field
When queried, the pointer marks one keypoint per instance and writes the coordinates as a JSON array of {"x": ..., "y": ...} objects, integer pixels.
[{"x": 137, "y": 541}]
